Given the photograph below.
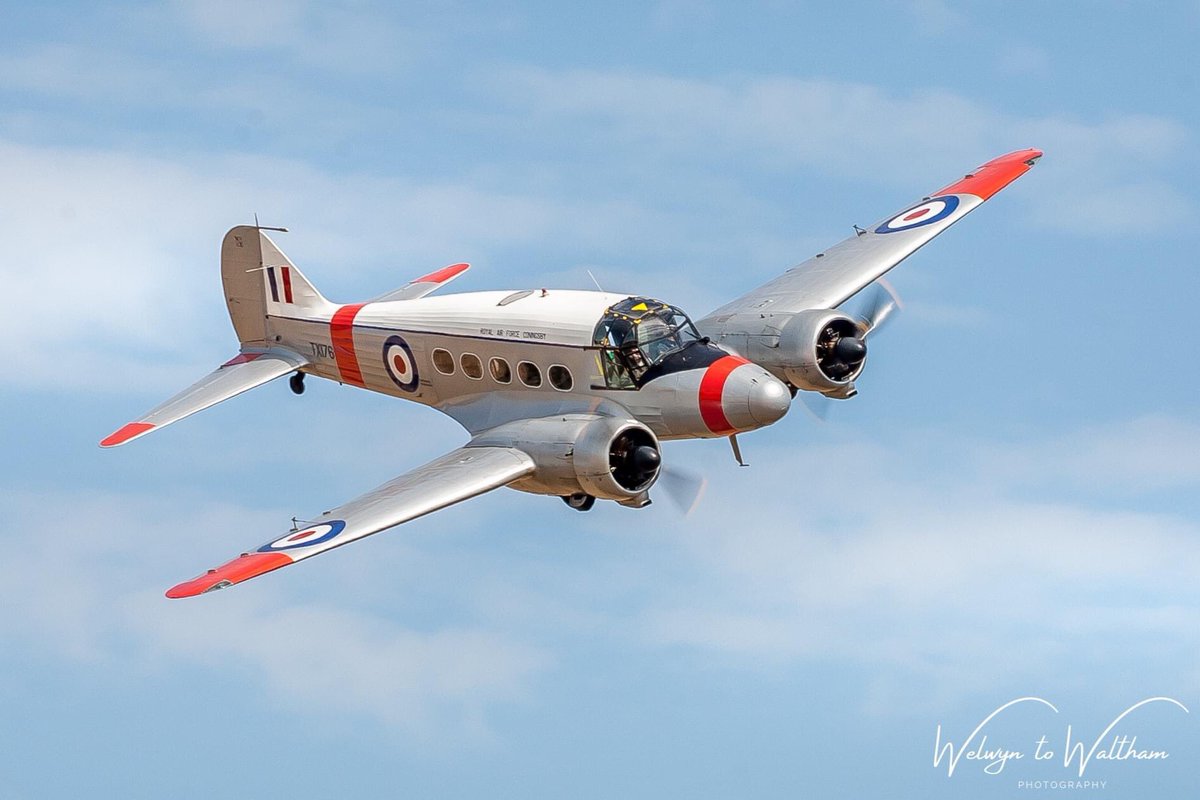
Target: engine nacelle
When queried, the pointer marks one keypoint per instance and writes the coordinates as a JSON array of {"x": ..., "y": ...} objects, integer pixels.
[
  {"x": 605, "y": 457},
  {"x": 820, "y": 350}
]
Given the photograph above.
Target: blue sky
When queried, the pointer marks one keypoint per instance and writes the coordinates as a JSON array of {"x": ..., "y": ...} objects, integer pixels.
[{"x": 1007, "y": 508}]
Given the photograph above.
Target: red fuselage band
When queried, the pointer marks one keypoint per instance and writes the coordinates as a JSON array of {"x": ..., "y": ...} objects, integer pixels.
[{"x": 341, "y": 332}]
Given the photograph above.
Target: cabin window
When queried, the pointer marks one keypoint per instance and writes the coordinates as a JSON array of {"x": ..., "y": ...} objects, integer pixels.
[
  {"x": 501, "y": 373},
  {"x": 560, "y": 378},
  {"x": 443, "y": 362},
  {"x": 529, "y": 374},
  {"x": 472, "y": 367}
]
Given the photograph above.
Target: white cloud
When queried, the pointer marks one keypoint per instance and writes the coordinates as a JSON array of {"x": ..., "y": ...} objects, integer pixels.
[
  {"x": 877, "y": 556},
  {"x": 1108, "y": 169},
  {"x": 338, "y": 36},
  {"x": 921, "y": 562},
  {"x": 60, "y": 69},
  {"x": 77, "y": 585},
  {"x": 114, "y": 257},
  {"x": 322, "y": 659},
  {"x": 1147, "y": 454},
  {"x": 125, "y": 245}
]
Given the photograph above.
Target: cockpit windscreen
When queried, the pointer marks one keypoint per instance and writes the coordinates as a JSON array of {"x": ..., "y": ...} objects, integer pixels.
[{"x": 638, "y": 333}]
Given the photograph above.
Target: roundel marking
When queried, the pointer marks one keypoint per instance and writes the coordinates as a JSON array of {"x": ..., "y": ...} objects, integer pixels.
[
  {"x": 935, "y": 209},
  {"x": 399, "y": 362},
  {"x": 313, "y": 534}
]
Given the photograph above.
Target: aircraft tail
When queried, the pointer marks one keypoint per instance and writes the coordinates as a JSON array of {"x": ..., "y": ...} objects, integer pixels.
[{"x": 261, "y": 282}]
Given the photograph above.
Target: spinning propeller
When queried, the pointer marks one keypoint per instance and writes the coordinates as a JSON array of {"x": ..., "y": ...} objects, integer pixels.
[
  {"x": 684, "y": 487},
  {"x": 843, "y": 353}
]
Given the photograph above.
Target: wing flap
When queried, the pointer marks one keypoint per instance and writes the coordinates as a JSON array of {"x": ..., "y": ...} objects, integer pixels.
[
  {"x": 830, "y": 278},
  {"x": 425, "y": 284},
  {"x": 248, "y": 369},
  {"x": 456, "y": 476}
]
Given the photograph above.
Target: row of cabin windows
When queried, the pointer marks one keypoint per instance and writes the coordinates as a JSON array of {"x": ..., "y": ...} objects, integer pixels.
[{"x": 528, "y": 372}]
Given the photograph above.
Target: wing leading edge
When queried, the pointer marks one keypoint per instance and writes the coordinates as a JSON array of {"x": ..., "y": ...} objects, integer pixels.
[
  {"x": 456, "y": 476},
  {"x": 830, "y": 278}
]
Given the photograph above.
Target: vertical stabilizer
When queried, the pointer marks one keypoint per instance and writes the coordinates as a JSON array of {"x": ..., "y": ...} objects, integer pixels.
[{"x": 260, "y": 282}]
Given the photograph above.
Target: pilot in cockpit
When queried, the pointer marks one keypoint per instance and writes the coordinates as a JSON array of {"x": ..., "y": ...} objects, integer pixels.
[{"x": 637, "y": 334}]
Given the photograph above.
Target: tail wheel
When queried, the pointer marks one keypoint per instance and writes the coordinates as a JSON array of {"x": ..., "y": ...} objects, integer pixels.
[{"x": 297, "y": 383}]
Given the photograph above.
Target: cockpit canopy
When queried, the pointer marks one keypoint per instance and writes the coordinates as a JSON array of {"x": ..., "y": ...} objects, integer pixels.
[{"x": 638, "y": 333}]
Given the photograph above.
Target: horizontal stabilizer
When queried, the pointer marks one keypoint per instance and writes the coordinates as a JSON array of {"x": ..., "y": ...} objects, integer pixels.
[
  {"x": 245, "y": 371},
  {"x": 425, "y": 284}
]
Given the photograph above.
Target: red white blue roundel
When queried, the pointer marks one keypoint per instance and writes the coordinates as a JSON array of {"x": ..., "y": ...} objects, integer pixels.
[
  {"x": 313, "y": 534},
  {"x": 935, "y": 209},
  {"x": 400, "y": 364}
]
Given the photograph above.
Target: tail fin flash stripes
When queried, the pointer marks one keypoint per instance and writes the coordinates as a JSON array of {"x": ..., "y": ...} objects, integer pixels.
[{"x": 285, "y": 274}]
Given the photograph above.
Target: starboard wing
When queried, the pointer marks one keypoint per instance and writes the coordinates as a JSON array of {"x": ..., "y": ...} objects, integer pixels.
[
  {"x": 832, "y": 277},
  {"x": 250, "y": 368},
  {"x": 456, "y": 476}
]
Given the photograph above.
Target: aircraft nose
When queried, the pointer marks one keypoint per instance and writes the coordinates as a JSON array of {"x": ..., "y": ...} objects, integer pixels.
[
  {"x": 750, "y": 398},
  {"x": 768, "y": 399}
]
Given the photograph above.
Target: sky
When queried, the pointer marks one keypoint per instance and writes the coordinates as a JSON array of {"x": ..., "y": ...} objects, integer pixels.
[{"x": 1006, "y": 510}]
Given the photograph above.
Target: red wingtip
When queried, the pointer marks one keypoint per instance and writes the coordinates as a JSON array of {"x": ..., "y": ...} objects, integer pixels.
[
  {"x": 130, "y": 431},
  {"x": 242, "y": 568},
  {"x": 993, "y": 176},
  {"x": 444, "y": 274}
]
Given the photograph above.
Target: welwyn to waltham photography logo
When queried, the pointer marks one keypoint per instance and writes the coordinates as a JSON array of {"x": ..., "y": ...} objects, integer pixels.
[{"x": 1049, "y": 758}]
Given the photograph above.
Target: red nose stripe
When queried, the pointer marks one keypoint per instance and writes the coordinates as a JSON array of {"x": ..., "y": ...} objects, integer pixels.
[
  {"x": 236, "y": 571},
  {"x": 711, "y": 387},
  {"x": 341, "y": 331}
]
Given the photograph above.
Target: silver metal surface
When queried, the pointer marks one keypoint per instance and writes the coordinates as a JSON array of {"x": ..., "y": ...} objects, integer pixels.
[
  {"x": 459, "y": 475},
  {"x": 223, "y": 383},
  {"x": 830, "y": 278}
]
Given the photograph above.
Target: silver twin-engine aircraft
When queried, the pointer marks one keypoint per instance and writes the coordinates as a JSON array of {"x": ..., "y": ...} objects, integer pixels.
[{"x": 563, "y": 392}]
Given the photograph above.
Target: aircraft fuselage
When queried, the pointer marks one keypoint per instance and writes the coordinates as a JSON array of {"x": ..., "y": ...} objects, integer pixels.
[{"x": 488, "y": 358}]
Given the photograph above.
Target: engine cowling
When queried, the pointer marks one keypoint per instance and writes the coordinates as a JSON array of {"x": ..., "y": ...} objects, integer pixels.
[
  {"x": 605, "y": 457},
  {"x": 820, "y": 350}
]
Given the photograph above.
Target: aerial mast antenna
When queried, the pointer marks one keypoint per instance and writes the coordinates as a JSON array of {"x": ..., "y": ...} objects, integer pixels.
[{"x": 267, "y": 227}]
